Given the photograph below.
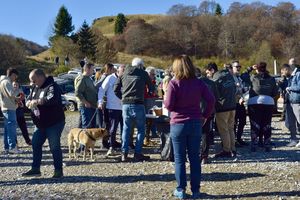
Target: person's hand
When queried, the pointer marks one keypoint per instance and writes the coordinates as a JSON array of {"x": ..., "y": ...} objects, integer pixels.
[
  {"x": 288, "y": 90},
  {"x": 100, "y": 106},
  {"x": 241, "y": 101},
  {"x": 87, "y": 105}
]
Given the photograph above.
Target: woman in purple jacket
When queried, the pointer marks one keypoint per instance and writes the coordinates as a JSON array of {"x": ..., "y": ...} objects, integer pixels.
[{"x": 185, "y": 92}]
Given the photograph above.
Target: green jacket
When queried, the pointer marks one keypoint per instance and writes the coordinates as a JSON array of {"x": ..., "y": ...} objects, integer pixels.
[{"x": 85, "y": 90}]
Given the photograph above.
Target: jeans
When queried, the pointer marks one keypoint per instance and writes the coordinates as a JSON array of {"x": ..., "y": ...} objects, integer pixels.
[
  {"x": 10, "y": 129},
  {"x": 187, "y": 137},
  {"x": 86, "y": 117},
  {"x": 240, "y": 121},
  {"x": 115, "y": 118},
  {"x": 292, "y": 119},
  {"x": 53, "y": 134},
  {"x": 207, "y": 136},
  {"x": 133, "y": 113},
  {"x": 99, "y": 119}
]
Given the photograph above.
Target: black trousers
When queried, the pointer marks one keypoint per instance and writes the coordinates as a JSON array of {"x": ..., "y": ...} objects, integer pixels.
[
  {"x": 207, "y": 136},
  {"x": 260, "y": 121},
  {"x": 22, "y": 124},
  {"x": 240, "y": 121}
]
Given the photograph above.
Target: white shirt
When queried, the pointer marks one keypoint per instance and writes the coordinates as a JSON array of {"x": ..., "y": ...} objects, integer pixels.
[{"x": 107, "y": 88}]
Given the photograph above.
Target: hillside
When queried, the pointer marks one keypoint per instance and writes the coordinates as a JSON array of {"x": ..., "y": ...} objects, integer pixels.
[
  {"x": 30, "y": 47},
  {"x": 106, "y": 24}
]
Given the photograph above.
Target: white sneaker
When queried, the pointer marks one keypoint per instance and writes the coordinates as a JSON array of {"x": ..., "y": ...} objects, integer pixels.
[
  {"x": 298, "y": 145},
  {"x": 111, "y": 152},
  {"x": 292, "y": 143},
  {"x": 15, "y": 151}
]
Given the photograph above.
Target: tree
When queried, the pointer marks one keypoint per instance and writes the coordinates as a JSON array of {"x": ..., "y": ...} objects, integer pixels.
[
  {"x": 120, "y": 23},
  {"x": 87, "y": 41},
  {"x": 207, "y": 7},
  {"x": 11, "y": 52},
  {"x": 183, "y": 10},
  {"x": 63, "y": 23},
  {"x": 218, "y": 11}
]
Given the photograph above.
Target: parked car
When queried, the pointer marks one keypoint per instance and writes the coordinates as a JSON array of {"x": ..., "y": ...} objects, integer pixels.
[{"x": 72, "y": 103}]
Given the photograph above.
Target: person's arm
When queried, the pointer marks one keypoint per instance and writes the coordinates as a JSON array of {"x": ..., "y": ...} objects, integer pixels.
[
  {"x": 79, "y": 91},
  {"x": 210, "y": 100},
  {"x": 118, "y": 87},
  {"x": 52, "y": 97},
  {"x": 170, "y": 97},
  {"x": 102, "y": 90},
  {"x": 295, "y": 83}
]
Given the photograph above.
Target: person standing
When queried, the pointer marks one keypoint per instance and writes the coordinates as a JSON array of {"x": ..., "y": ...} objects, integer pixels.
[
  {"x": 113, "y": 106},
  {"x": 8, "y": 106},
  {"x": 86, "y": 94},
  {"x": 130, "y": 88},
  {"x": 293, "y": 105},
  {"x": 225, "y": 108},
  {"x": 20, "y": 112},
  {"x": 186, "y": 122},
  {"x": 48, "y": 116},
  {"x": 260, "y": 105},
  {"x": 240, "y": 111}
]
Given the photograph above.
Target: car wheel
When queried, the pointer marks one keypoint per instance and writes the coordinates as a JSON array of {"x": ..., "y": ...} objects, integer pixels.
[{"x": 71, "y": 106}]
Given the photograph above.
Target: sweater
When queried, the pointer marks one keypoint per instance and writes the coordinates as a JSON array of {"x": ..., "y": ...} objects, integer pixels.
[
  {"x": 7, "y": 94},
  {"x": 184, "y": 98}
]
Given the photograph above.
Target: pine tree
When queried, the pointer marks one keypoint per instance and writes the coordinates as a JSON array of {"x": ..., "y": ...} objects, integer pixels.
[
  {"x": 63, "y": 23},
  {"x": 120, "y": 23},
  {"x": 218, "y": 11},
  {"x": 87, "y": 41}
]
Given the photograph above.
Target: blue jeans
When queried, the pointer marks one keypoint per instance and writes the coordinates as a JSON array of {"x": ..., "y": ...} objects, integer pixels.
[
  {"x": 10, "y": 129},
  {"x": 187, "y": 136},
  {"x": 133, "y": 113},
  {"x": 53, "y": 134},
  {"x": 86, "y": 115}
]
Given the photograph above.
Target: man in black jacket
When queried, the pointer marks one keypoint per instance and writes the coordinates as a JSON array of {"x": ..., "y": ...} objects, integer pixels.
[
  {"x": 49, "y": 119},
  {"x": 130, "y": 88}
]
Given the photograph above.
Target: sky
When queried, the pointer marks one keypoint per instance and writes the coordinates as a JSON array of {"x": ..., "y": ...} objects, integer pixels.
[{"x": 33, "y": 19}]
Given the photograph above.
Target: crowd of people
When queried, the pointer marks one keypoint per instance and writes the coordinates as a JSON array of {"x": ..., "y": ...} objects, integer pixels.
[{"x": 199, "y": 104}]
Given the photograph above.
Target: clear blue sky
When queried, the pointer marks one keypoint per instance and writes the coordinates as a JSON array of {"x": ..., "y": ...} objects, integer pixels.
[{"x": 32, "y": 19}]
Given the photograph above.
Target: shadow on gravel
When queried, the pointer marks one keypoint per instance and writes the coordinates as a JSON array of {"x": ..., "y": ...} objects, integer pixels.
[
  {"x": 254, "y": 195},
  {"x": 217, "y": 176},
  {"x": 95, "y": 179},
  {"x": 127, "y": 179}
]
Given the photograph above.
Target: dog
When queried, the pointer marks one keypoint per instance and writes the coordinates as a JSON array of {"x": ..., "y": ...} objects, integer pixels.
[{"x": 86, "y": 137}]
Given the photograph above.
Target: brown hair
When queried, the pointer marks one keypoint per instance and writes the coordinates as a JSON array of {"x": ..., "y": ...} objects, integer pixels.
[
  {"x": 108, "y": 67},
  {"x": 262, "y": 67},
  {"x": 183, "y": 68}
]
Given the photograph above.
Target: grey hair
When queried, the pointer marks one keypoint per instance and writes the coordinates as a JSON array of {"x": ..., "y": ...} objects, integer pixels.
[{"x": 150, "y": 68}]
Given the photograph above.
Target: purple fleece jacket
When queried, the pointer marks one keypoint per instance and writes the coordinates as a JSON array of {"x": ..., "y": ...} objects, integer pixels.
[{"x": 184, "y": 97}]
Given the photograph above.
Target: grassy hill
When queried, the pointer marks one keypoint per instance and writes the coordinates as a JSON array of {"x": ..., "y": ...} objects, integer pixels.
[{"x": 106, "y": 24}]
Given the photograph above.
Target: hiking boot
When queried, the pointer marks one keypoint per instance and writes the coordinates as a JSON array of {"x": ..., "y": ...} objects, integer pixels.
[
  {"x": 197, "y": 195},
  {"x": 179, "y": 193},
  {"x": 131, "y": 145},
  {"x": 124, "y": 157},
  {"x": 58, "y": 174},
  {"x": 32, "y": 172},
  {"x": 292, "y": 143},
  {"x": 138, "y": 157},
  {"x": 223, "y": 154},
  {"x": 111, "y": 152},
  {"x": 15, "y": 151},
  {"x": 29, "y": 143}
]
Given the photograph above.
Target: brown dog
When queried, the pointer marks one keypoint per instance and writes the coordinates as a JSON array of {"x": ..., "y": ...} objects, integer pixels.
[{"x": 86, "y": 137}]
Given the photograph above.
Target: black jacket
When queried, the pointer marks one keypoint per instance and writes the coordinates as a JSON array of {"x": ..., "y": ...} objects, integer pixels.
[
  {"x": 226, "y": 91},
  {"x": 51, "y": 108},
  {"x": 130, "y": 87},
  {"x": 263, "y": 84}
]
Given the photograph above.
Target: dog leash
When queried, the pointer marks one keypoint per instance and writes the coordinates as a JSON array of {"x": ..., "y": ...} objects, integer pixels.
[{"x": 92, "y": 118}]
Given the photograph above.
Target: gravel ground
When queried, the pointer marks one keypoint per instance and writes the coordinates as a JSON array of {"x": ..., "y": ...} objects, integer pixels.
[{"x": 259, "y": 175}]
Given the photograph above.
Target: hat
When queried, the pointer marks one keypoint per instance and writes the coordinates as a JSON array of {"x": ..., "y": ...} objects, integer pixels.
[{"x": 137, "y": 62}]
